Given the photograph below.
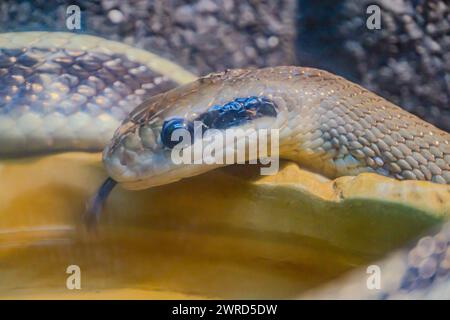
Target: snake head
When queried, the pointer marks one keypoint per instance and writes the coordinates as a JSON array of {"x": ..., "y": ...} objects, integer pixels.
[{"x": 160, "y": 141}]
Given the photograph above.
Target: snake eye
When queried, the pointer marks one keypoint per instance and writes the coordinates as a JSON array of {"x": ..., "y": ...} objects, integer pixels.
[{"x": 169, "y": 127}]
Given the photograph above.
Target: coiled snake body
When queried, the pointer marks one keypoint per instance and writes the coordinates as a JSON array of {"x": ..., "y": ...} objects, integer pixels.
[{"x": 69, "y": 92}]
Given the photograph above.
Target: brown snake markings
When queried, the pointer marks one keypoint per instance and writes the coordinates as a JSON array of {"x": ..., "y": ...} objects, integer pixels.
[{"x": 346, "y": 127}]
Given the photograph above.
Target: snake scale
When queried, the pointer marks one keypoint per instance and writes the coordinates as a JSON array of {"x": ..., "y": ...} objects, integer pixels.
[{"x": 69, "y": 92}]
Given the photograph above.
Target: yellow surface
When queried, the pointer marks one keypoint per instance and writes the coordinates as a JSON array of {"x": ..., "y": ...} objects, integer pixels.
[{"x": 229, "y": 233}]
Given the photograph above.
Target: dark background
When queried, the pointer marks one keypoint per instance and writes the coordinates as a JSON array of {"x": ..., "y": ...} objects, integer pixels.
[{"x": 407, "y": 61}]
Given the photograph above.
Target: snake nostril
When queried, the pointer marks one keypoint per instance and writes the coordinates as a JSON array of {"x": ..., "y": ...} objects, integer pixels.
[{"x": 128, "y": 157}]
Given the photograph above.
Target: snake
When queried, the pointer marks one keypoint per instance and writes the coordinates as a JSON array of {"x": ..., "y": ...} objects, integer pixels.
[{"x": 66, "y": 92}]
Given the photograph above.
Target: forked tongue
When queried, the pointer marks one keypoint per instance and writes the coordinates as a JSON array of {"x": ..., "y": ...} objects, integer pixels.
[{"x": 95, "y": 205}]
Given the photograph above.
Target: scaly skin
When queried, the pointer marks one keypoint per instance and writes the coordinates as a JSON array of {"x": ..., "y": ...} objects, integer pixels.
[
  {"x": 50, "y": 101},
  {"x": 419, "y": 271},
  {"x": 329, "y": 125},
  {"x": 62, "y": 91},
  {"x": 326, "y": 124}
]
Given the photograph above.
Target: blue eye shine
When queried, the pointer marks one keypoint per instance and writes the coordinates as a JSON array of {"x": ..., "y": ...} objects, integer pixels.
[{"x": 169, "y": 127}]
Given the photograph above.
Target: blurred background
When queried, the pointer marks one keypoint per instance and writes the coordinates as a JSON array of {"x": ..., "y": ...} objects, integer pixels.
[{"x": 406, "y": 61}]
